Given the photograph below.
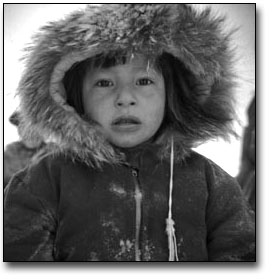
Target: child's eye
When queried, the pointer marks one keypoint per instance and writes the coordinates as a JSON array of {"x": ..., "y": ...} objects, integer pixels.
[
  {"x": 144, "y": 81},
  {"x": 104, "y": 83}
]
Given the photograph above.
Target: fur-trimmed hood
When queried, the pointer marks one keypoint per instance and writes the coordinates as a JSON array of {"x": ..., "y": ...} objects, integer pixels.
[{"x": 196, "y": 38}]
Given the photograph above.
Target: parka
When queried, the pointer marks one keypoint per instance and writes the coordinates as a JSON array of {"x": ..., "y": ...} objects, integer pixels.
[
  {"x": 86, "y": 200},
  {"x": 19, "y": 154}
]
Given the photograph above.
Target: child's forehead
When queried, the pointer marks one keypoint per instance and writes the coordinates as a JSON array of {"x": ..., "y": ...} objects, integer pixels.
[{"x": 133, "y": 60}]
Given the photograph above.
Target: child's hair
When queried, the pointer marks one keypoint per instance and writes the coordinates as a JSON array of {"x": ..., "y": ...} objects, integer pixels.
[{"x": 187, "y": 106}]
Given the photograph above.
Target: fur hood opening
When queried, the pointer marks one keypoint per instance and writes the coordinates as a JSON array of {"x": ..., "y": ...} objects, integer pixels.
[{"x": 196, "y": 39}]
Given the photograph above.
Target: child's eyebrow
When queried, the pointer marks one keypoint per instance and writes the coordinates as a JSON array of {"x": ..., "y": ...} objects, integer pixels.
[
  {"x": 147, "y": 69},
  {"x": 137, "y": 69}
]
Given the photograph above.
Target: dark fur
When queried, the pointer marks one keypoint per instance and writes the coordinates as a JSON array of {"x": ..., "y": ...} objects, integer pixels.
[{"x": 195, "y": 39}]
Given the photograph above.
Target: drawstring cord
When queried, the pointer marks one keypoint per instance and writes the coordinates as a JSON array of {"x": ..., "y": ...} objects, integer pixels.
[
  {"x": 138, "y": 198},
  {"x": 169, "y": 221},
  {"x": 173, "y": 256}
]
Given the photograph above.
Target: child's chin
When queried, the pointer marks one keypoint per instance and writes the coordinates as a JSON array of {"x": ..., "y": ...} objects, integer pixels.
[{"x": 126, "y": 143}]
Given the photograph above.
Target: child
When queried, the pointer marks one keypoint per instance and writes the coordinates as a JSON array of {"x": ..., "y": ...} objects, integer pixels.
[{"x": 125, "y": 91}]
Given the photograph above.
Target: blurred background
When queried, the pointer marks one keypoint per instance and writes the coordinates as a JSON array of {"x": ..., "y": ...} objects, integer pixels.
[{"x": 21, "y": 21}]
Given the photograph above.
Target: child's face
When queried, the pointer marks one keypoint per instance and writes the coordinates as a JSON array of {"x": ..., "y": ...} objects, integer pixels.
[{"x": 127, "y": 100}]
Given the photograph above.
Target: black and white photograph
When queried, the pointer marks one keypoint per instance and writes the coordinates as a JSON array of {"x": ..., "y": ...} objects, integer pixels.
[{"x": 129, "y": 133}]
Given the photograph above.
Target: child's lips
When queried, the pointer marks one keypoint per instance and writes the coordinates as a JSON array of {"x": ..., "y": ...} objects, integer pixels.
[{"x": 126, "y": 124}]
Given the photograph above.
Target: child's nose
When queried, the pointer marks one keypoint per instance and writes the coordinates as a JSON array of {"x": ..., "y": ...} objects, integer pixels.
[{"x": 125, "y": 98}]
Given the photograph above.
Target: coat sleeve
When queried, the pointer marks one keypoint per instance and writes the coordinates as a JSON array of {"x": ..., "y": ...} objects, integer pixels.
[
  {"x": 230, "y": 221},
  {"x": 29, "y": 221}
]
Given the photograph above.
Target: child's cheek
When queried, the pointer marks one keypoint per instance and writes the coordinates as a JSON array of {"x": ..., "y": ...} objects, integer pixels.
[{"x": 103, "y": 111}]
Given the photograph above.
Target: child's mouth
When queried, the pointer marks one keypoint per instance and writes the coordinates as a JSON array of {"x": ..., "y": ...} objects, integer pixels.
[{"x": 126, "y": 124}]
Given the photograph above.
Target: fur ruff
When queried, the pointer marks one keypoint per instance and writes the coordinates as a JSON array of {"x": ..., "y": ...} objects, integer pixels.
[{"x": 195, "y": 38}]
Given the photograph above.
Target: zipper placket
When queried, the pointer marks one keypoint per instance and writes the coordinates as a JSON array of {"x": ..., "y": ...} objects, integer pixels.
[{"x": 138, "y": 199}]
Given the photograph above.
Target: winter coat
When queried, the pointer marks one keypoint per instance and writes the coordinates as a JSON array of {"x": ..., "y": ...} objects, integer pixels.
[
  {"x": 16, "y": 157},
  {"x": 247, "y": 173},
  {"x": 19, "y": 154},
  {"x": 74, "y": 213},
  {"x": 87, "y": 200}
]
